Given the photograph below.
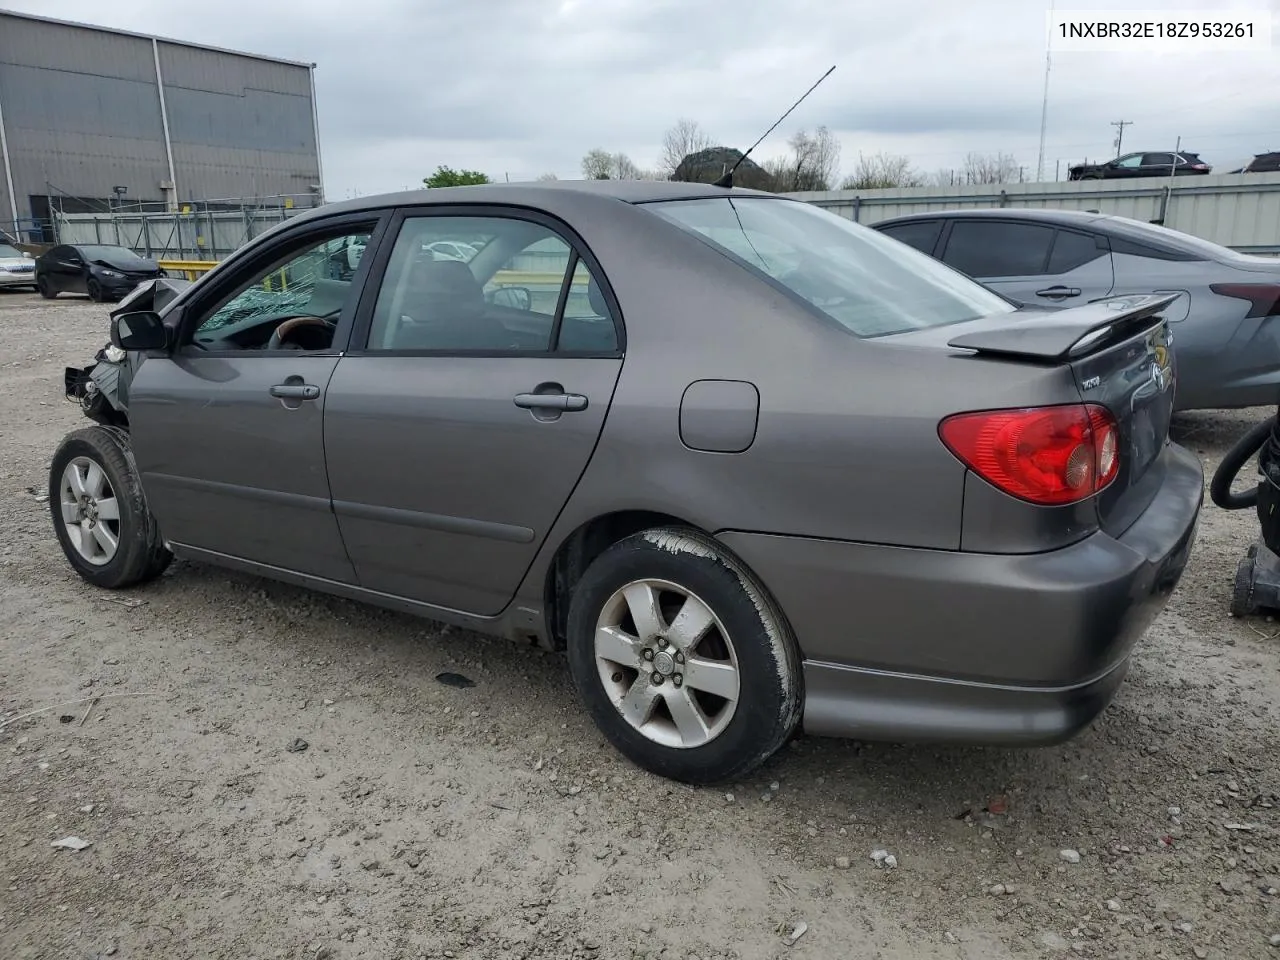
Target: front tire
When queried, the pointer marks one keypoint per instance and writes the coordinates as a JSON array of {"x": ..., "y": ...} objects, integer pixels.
[
  {"x": 94, "y": 289},
  {"x": 100, "y": 513},
  {"x": 45, "y": 288},
  {"x": 681, "y": 658}
]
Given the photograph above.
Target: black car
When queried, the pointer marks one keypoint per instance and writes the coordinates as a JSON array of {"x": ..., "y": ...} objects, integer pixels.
[
  {"x": 1141, "y": 165},
  {"x": 103, "y": 272},
  {"x": 1262, "y": 163}
]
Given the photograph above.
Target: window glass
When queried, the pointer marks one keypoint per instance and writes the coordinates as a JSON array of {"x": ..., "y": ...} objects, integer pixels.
[
  {"x": 315, "y": 282},
  {"x": 587, "y": 325},
  {"x": 8, "y": 251},
  {"x": 1158, "y": 159},
  {"x": 1132, "y": 161},
  {"x": 992, "y": 248},
  {"x": 470, "y": 284},
  {"x": 1071, "y": 250},
  {"x": 921, "y": 234},
  {"x": 858, "y": 277}
]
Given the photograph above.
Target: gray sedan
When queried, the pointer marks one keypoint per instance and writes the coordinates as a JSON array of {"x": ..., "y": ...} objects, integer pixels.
[
  {"x": 1227, "y": 316},
  {"x": 753, "y": 467}
]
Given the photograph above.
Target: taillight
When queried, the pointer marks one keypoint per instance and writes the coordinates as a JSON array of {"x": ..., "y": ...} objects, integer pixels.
[
  {"x": 1045, "y": 455},
  {"x": 1265, "y": 297}
]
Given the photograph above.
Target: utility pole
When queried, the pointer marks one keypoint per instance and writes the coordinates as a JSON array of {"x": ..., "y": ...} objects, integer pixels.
[
  {"x": 1044, "y": 104},
  {"x": 1120, "y": 125}
]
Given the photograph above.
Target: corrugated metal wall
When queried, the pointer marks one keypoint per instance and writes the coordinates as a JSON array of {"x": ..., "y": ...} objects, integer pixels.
[
  {"x": 1236, "y": 210},
  {"x": 81, "y": 114}
]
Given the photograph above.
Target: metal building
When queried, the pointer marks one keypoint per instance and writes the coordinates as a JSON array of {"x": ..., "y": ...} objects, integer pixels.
[{"x": 95, "y": 119}]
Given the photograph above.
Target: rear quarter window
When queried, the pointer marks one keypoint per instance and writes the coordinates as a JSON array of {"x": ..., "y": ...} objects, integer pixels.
[
  {"x": 850, "y": 274},
  {"x": 920, "y": 234}
]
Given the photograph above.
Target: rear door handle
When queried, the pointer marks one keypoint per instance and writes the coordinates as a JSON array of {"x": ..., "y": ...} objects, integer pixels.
[
  {"x": 563, "y": 402},
  {"x": 1059, "y": 292},
  {"x": 295, "y": 391}
]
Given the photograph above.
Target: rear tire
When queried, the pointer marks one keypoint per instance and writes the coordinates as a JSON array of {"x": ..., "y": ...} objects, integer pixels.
[
  {"x": 45, "y": 289},
  {"x": 100, "y": 513},
  {"x": 705, "y": 684}
]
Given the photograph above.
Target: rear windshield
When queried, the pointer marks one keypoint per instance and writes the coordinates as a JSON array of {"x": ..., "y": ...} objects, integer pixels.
[{"x": 870, "y": 284}]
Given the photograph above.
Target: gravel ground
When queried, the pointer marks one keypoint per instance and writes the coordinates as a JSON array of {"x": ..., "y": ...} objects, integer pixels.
[{"x": 424, "y": 820}]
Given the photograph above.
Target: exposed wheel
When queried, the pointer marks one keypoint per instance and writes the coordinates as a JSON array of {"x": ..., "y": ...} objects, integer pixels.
[
  {"x": 45, "y": 288},
  {"x": 681, "y": 658},
  {"x": 1242, "y": 604},
  {"x": 99, "y": 511},
  {"x": 94, "y": 289}
]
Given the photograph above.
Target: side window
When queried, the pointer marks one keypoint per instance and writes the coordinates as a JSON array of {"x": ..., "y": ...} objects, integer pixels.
[
  {"x": 302, "y": 292},
  {"x": 465, "y": 284},
  {"x": 1072, "y": 250},
  {"x": 992, "y": 248},
  {"x": 1157, "y": 160},
  {"x": 587, "y": 326},
  {"x": 921, "y": 234},
  {"x": 1130, "y": 162}
]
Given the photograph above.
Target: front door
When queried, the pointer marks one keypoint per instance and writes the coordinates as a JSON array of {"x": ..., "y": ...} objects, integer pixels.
[
  {"x": 1034, "y": 263},
  {"x": 228, "y": 430},
  {"x": 478, "y": 384}
]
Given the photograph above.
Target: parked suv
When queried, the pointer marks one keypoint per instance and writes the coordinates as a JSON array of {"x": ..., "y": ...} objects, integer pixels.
[{"x": 1159, "y": 164}]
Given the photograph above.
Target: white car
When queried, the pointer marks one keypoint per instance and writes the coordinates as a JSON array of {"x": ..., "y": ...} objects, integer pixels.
[
  {"x": 17, "y": 269},
  {"x": 451, "y": 250}
]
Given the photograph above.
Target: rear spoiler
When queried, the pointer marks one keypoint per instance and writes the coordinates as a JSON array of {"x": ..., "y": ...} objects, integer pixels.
[{"x": 1071, "y": 333}]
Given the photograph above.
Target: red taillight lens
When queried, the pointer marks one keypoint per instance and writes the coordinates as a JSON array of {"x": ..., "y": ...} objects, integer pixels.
[
  {"x": 1046, "y": 455},
  {"x": 1265, "y": 297}
]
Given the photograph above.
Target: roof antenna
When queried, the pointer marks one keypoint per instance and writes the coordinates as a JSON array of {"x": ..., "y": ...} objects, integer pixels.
[{"x": 727, "y": 179}]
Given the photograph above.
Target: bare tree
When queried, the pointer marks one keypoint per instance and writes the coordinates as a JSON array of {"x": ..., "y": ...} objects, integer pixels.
[
  {"x": 881, "y": 171},
  {"x": 547, "y": 176},
  {"x": 988, "y": 168},
  {"x": 812, "y": 163},
  {"x": 600, "y": 164},
  {"x": 684, "y": 138}
]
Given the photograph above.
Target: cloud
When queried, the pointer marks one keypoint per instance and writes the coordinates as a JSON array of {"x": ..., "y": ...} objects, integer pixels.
[{"x": 519, "y": 87}]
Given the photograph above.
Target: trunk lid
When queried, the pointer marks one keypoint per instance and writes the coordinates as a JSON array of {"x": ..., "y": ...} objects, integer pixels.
[{"x": 1119, "y": 351}]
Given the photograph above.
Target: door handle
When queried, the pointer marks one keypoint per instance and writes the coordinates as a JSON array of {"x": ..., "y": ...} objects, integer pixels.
[
  {"x": 562, "y": 402},
  {"x": 295, "y": 391},
  {"x": 1059, "y": 292}
]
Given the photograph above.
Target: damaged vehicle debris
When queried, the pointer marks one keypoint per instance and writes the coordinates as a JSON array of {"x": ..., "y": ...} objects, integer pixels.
[{"x": 102, "y": 388}]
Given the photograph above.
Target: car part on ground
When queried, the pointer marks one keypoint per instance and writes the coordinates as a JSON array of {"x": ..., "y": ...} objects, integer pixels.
[
  {"x": 1257, "y": 580},
  {"x": 1224, "y": 319},
  {"x": 832, "y": 483}
]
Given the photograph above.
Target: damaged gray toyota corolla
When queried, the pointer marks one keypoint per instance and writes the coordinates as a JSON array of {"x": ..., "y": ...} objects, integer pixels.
[{"x": 753, "y": 467}]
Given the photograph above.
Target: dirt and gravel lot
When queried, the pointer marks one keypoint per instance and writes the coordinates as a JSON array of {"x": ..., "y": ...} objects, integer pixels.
[{"x": 425, "y": 820}]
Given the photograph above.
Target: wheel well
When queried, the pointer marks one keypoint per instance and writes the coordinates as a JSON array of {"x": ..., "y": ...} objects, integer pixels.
[{"x": 583, "y": 546}]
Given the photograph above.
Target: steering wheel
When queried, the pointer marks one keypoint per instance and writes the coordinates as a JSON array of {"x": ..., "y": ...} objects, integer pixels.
[{"x": 285, "y": 329}]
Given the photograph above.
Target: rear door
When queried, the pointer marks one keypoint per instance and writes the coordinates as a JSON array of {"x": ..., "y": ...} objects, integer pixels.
[
  {"x": 1034, "y": 263},
  {"x": 459, "y": 424}
]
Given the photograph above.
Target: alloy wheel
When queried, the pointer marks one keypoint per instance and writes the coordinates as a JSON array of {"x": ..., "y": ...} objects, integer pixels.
[{"x": 90, "y": 511}]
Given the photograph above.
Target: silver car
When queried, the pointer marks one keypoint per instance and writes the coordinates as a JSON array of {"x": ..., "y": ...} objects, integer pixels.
[
  {"x": 751, "y": 466},
  {"x": 17, "y": 269},
  {"x": 1225, "y": 319}
]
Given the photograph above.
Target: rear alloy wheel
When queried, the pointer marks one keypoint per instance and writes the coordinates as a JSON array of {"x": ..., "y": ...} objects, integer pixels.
[
  {"x": 94, "y": 289},
  {"x": 45, "y": 288},
  {"x": 99, "y": 511},
  {"x": 681, "y": 659}
]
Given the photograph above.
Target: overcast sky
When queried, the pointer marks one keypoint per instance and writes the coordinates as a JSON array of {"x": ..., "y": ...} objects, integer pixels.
[{"x": 517, "y": 88}]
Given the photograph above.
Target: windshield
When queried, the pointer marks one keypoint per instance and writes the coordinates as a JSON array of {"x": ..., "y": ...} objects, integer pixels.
[
  {"x": 869, "y": 283},
  {"x": 8, "y": 251},
  {"x": 121, "y": 256}
]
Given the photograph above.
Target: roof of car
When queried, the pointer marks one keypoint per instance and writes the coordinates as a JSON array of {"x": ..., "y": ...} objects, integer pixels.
[
  {"x": 1003, "y": 213},
  {"x": 542, "y": 192}
]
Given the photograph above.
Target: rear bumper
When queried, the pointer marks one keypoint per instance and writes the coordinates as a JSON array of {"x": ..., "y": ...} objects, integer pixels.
[{"x": 904, "y": 644}]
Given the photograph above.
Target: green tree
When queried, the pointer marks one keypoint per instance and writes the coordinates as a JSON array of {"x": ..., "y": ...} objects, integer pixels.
[{"x": 449, "y": 177}]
